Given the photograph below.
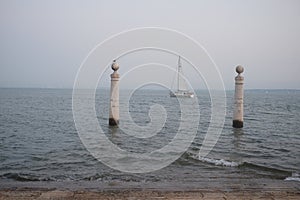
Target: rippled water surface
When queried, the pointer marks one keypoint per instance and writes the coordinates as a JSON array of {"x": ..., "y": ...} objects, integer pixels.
[{"x": 39, "y": 142}]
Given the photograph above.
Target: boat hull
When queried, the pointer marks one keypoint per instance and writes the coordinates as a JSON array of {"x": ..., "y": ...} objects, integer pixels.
[{"x": 184, "y": 94}]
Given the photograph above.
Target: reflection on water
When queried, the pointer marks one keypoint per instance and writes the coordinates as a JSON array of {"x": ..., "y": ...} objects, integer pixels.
[{"x": 238, "y": 134}]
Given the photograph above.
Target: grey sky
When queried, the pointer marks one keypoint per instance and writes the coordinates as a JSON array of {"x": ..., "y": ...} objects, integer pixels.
[{"x": 44, "y": 42}]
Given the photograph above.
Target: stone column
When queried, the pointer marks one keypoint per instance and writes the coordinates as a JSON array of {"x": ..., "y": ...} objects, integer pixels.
[
  {"x": 114, "y": 96},
  {"x": 238, "y": 115}
]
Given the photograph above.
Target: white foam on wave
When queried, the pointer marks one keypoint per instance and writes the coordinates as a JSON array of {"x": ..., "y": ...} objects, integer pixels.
[
  {"x": 294, "y": 177},
  {"x": 219, "y": 162}
]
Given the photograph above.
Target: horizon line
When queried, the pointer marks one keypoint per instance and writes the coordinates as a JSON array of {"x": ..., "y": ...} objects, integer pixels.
[{"x": 70, "y": 88}]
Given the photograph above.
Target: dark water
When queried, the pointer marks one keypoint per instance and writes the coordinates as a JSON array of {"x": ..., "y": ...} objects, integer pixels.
[{"x": 39, "y": 142}]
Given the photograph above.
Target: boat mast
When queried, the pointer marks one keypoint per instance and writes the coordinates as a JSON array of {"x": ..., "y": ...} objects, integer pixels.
[{"x": 178, "y": 74}]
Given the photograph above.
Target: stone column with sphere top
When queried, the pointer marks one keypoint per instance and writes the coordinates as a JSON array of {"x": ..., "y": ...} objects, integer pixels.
[
  {"x": 238, "y": 114},
  {"x": 114, "y": 96}
]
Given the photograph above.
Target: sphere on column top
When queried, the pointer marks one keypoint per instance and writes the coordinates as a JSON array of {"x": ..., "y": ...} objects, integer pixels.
[
  {"x": 115, "y": 66},
  {"x": 239, "y": 69}
]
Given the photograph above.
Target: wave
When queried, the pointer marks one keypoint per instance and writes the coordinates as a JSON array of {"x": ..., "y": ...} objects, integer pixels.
[
  {"x": 217, "y": 162},
  {"x": 263, "y": 168},
  {"x": 279, "y": 173},
  {"x": 294, "y": 177},
  {"x": 23, "y": 177}
]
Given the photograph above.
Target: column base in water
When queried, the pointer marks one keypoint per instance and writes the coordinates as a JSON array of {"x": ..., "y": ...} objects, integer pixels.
[
  {"x": 113, "y": 122},
  {"x": 237, "y": 124}
]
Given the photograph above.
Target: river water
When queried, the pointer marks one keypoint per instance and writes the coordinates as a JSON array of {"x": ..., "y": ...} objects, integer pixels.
[{"x": 39, "y": 141}]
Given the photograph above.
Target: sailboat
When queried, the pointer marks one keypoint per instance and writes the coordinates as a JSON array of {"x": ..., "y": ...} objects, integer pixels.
[{"x": 182, "y": 90}]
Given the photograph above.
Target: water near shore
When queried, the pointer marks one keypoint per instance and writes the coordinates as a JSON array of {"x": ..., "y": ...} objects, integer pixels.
[{"x": 39, "y": 141}]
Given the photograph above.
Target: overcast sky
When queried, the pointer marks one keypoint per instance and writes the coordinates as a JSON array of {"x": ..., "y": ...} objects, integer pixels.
[{"x": 43, "y": 43}]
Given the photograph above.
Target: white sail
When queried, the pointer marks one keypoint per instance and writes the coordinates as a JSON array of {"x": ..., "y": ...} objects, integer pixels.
[
  {"x": 181, "y": 84},
  {"x": 182, "y": 90}
]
